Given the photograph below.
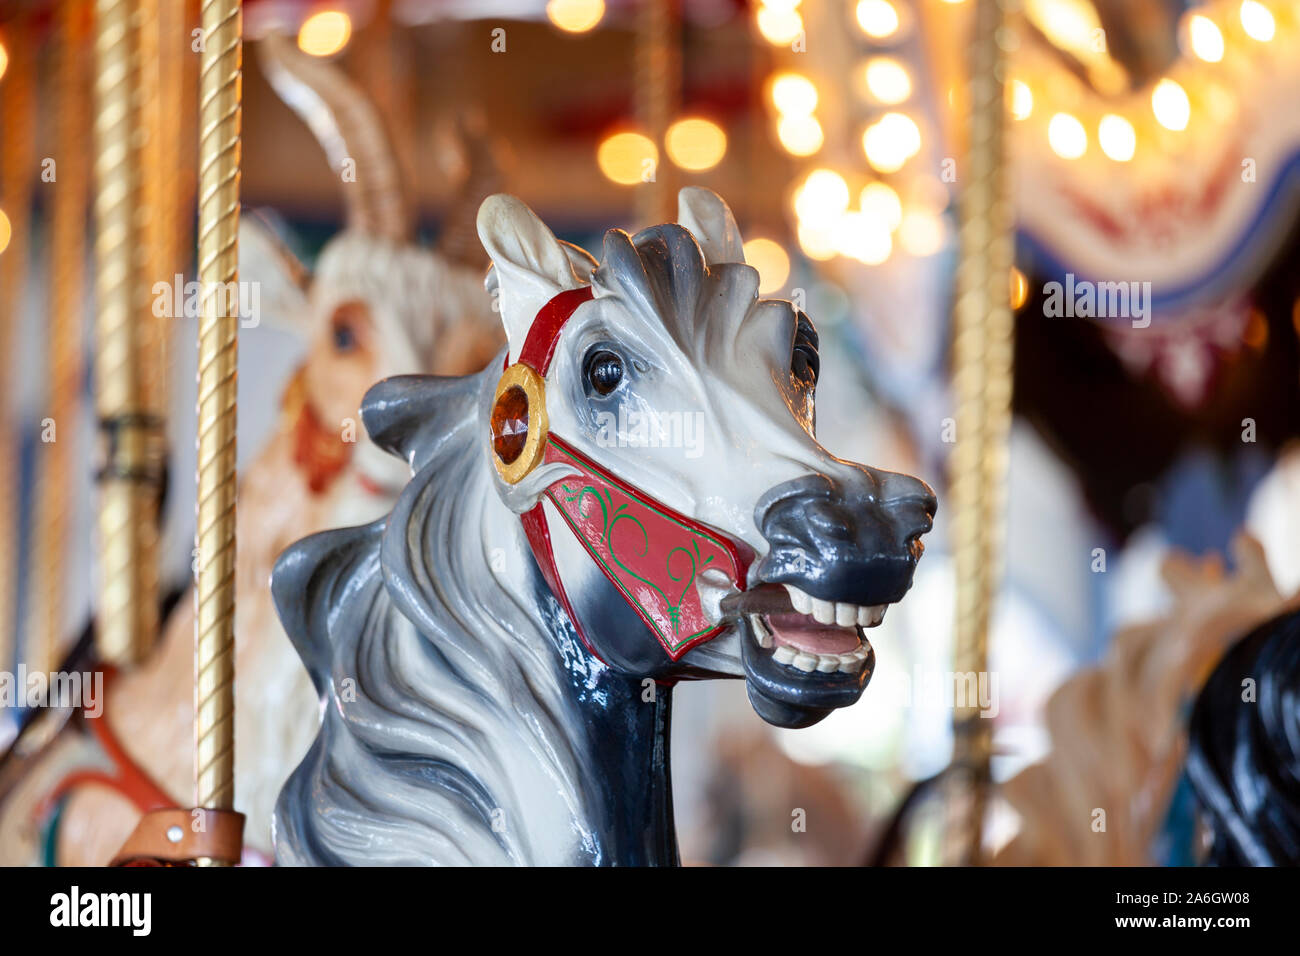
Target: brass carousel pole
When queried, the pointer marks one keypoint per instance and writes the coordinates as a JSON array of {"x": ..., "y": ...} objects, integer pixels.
[
  {"x": 657, "y": 95},
  {"x": 67, "y": 304},
  {"x": 219, "y": 170},
  {"x": 160, "y": 112},
  {"x": 132, "y": 461},
  {"x": 210, "y": 833},
  {"x": 982, "y": 363},
  {"x": 17, "y": 93}
]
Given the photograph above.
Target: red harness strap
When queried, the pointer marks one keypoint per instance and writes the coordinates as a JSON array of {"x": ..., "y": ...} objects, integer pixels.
[
  {"x": 652, "y": 554},
  {"x": 317, "y": 451},
  {"x": 544, "y": 333},
  {"x": 127, "y": 779}
]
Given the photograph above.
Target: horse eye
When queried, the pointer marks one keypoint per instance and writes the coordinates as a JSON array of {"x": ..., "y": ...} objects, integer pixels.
[
  {"x": 345, "y": 339},
  {"x": 604, "y": 371},
  {"x": 348, "y": 325}
]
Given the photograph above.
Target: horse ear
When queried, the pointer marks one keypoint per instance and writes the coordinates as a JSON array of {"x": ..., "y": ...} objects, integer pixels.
[
  {"x": 582, "y": 261},
  {"x": 531, "y": 265},
  {"x": 706, "y": 216}
]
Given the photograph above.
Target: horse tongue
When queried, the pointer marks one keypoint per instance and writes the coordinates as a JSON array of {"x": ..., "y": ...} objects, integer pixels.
[{"x": 805, "y": 634}]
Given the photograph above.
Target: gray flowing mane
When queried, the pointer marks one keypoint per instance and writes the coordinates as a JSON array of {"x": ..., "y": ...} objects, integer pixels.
[
  {"x": 452, "y": 680},
  {"x": 443, "y": 712}
]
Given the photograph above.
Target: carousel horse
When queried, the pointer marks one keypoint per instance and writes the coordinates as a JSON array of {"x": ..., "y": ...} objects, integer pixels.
[
  {"x": 743, "y": 825},
  {"x": 377, "y": 305},
  {"x": 496, "y": 656},
  {"x": 1119, "y": 731},
  {"x": 1119, "y": 734},
  {"x": 1244, "y": 761}
]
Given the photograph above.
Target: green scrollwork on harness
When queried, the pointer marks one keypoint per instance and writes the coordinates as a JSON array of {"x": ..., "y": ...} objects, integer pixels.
[{"x": 612, "y": 516}]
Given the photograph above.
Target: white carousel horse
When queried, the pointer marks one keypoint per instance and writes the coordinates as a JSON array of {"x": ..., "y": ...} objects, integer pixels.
[
  {"x": 487, "y": 706},
  {"x": 378, "y": 304}
]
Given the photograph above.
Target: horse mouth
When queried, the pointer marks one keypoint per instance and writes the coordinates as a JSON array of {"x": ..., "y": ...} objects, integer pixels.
[
  {"x": 817, "y": 635},
  {"x": 803, "y": 657}
]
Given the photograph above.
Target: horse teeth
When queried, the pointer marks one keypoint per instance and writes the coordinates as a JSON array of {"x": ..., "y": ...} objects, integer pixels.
[
  {"x": 847, "y": 663},
  {"x": 801, "y": 601},
  {"x": 846, "y": 615},
  {"x": 823, "y": 612},
  {"x": 851, "y": 662},
  {"x": 762, "y": 636},
  {"x": 836, "y": 613}
]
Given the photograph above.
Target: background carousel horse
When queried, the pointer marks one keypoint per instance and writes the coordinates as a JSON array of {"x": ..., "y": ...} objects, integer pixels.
[
  {"x": 742, "y": 825},
  {"x": 485, "y": 706},
  {"x": 377, "y": 305},
  {"x": 1244, "y": 762},
  {"x": 1119, "y": 731}
]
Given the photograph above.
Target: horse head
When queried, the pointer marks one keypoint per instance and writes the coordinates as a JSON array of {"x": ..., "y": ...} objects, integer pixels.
[
  {"x": 630, "y": 495},
  {"x": 378, "y": 303},
  {"x": 656, "y": 425}
]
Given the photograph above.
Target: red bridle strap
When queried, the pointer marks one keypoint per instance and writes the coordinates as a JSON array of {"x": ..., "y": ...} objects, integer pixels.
[
  {"x": 652, "y": 554},
  {"x": 544, "y": 333},
  {"x": 537, "y": 351}
]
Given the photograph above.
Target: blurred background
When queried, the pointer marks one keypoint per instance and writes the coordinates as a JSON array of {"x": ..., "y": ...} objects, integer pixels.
[{"x": 1154, "y": 143}]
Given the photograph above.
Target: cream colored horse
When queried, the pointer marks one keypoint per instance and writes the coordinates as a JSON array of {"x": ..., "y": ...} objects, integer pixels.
[
  {"x": 377, "y": 305},
  {"x": 1119, "y": 730}
]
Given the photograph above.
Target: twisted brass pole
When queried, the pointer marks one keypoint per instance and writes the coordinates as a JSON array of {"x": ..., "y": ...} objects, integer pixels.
[
  {"x": 220, "y": 91},
  {"x": 67, "y": 302},
  {"x": 132, "y": 459},
  {"x": 17, "y": 167},
  {"x": 982, "y": 356},
  {"x": 657, "y": 92},
  {"x": 159, "y": 114},
  {"x": 186, "y": 165}
]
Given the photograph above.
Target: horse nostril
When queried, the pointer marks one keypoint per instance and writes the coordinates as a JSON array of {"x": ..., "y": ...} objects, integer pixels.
[
  {"x": 916, "y": 515},
  {"x": 899, "y": 490},
  {"x": 827, "y": 519},
  {"x": 784, "y": 508}
]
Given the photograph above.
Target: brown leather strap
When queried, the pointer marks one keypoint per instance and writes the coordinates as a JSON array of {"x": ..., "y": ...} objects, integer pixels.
[{"x": 180, "y": 837}]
